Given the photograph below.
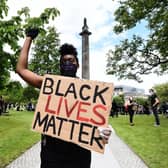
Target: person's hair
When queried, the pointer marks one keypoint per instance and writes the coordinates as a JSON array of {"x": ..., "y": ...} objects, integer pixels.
[
  {"x": 68, "y": 49},
  {"x": 151, "y": 90}
]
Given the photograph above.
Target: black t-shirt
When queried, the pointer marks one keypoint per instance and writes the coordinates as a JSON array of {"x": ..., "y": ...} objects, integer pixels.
[
  {"x": 153, "y": 99},
  {"x": 130, "y": 105}
]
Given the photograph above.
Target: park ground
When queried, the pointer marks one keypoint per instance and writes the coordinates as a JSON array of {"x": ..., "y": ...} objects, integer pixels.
[{"x": 146, "y": 140}]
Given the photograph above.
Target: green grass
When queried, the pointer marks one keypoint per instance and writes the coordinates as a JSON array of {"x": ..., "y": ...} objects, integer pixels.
[
  {"x": 149, "y": 142},
  {"x": 15, "y": 135}
]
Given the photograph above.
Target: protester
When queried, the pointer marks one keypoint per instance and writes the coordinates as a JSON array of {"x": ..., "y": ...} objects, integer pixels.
[
  {"x": 29, "y": 107},
  {"x": 56, "y": 153},
  {"x": 154, "y": 102},
  {"x": 130, "y": 106},
  {"x": 164, "y": 108},
  {"x": 114, "y": 109}
]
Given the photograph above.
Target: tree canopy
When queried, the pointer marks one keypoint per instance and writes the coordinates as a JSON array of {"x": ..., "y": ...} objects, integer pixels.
[
  {"x": 46, "y": 53},
  {"x": 13, "y": 92},
  {"x": 162, "y": 90},
  {"x": 30, "y": 94},
  {"x": 137, "y": 56},
  {"x": 12, "y": 29}
]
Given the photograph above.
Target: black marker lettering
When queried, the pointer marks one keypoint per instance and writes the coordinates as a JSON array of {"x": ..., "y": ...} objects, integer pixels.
[
  {"x": 60, "y": 125},
  {"x": 57, "y": 89},
  {"x": 98, "y": 140},
  {"x": 72, "y": 128},
  {"x": 99, "y": 94},
  {"x": 48, "y": 88},
  {"x": 40, "y": 122},
  {"x": 81, "y": 90},
  {"x": 51, "y": 123},
  {"x": 82, "y": 132},
  {"x": 71, "y": 89}
]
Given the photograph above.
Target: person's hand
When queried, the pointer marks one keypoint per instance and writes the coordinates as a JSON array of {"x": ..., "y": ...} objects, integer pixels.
[
  {"x": 32, "y": 32},
  {"x": 105, "y": 133}
]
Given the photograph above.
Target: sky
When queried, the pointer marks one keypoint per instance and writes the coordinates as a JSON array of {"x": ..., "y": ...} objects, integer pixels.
[{"x": 100, "y": 20}]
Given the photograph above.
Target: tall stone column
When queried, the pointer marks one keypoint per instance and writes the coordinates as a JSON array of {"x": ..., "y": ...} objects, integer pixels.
[{"x": 85, "y": 51}]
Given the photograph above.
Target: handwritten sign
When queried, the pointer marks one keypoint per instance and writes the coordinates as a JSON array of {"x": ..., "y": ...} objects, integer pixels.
[{"x": 72, "y": 109}]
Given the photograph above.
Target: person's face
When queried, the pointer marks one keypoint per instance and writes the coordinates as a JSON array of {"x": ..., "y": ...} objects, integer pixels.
[
  {"x": 69, "y": 65},
  {"x": 69, "y": 58},
  {"x": 150, "y": 92}
]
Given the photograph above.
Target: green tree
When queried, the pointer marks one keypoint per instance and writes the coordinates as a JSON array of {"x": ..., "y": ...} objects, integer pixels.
[
  {"x": 119, "y": 100},
  {"x": 137, "y": 56},
  {"x": 30, "y": 94},
  {"x": 13, "y": 92},
  {"x": 46, "y": 53},
  {"x": 141, "y": 100},
  {"x": 162, "y": 90},
  {"x": 11, "y": 30}
]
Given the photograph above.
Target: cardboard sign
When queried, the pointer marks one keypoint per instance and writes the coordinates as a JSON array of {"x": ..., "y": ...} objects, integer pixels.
[{"x": 72, "y": 109}]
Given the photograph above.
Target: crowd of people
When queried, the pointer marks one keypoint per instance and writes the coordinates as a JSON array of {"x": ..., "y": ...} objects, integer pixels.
[{"x": 5, "y": 106}]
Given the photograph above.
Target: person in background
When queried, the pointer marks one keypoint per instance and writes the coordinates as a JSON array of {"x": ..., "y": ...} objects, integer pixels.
[
  {"x": 130, "y": 107},
  {"x": 154, "y": 102},
  {"x": 56, "y": 153},
  {"x": 1, "y": 105},
  {"x": 164, "y": 108},
  {"x": 114, "y": 109}
]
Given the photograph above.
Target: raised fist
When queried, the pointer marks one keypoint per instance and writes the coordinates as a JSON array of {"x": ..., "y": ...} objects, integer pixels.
[{"x": 32, "y": 32}]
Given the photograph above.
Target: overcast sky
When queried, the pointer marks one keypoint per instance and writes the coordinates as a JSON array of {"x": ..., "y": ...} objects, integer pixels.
[{"x": 100, "y": 20}]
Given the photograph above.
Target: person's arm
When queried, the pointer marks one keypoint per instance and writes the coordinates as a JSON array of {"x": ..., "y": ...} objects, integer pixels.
[
  {"x": 129, "y": 103},
  {"x": 156, "y": 102},
  {"x": 22, "y": 66}
]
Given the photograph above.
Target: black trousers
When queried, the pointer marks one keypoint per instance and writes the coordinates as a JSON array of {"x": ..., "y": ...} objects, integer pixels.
[
  {"x": 1, "y": 110},
  {"x": 56, "y": 153},
  {"x": 155, "y": 113},
  {"x": 131, "y": 115},
  {"x": 63, "y": 165}
]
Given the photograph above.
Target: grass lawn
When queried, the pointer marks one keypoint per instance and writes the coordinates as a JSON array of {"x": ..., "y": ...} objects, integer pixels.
[
  {"x": 148, "y": 141},
  {"x": 15, "y": 135}
]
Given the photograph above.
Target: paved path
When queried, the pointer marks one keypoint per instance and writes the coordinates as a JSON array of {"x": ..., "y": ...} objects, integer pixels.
[{"x": 117, "y": 155}]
